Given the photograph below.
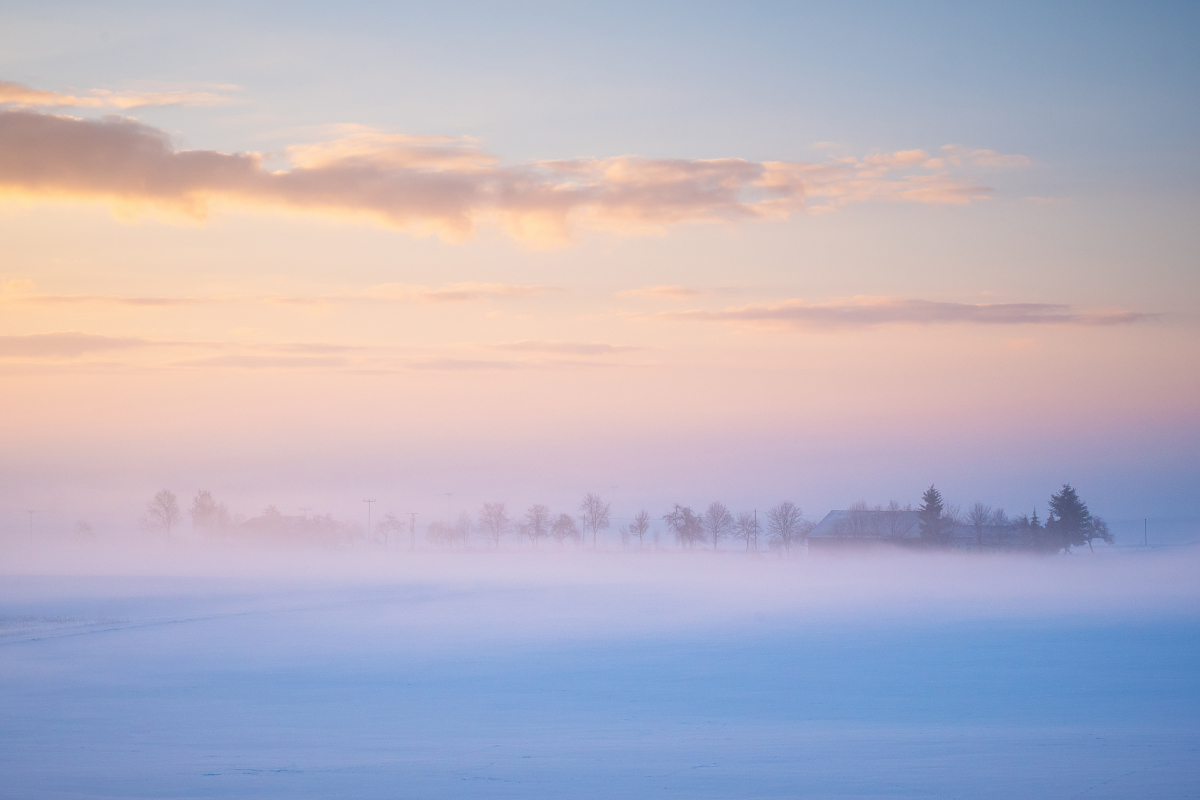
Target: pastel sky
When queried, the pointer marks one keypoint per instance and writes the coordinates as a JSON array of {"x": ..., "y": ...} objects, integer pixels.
[{"x": 310, "y": 253}]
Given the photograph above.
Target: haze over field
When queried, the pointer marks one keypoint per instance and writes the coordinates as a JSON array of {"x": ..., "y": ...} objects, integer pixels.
[
  {"x": 540, "y": 675},
  {"x": 599, "y": 400}
]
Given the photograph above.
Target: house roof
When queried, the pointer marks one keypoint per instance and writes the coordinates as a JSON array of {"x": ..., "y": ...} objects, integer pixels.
[{"x": 868, "y": 524}]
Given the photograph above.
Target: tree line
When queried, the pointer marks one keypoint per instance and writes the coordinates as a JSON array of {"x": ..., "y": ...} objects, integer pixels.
[{"x": 1068, "y": 524}]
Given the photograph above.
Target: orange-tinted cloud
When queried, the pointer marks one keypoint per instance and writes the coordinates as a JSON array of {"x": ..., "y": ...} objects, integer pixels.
[
  {"x": 862, "y": 312},
  {"x": 69, "y": 344},
  {"x": 566, "y": 348},
  {"x": 668, "y": 292},
  {"x": 397, "y": 292},
  {"x": 448, "y": 186},
  {"x": 16, "y": 94}
]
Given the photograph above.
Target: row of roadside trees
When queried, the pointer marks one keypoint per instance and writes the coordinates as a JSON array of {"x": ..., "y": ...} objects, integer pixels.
[
  {"x": 781, "y": 527},
  {"x": 1068, "y": 524}
]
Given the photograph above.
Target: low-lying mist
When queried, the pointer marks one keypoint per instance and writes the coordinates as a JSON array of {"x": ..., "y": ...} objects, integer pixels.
[{"x": 578, "y": 592}]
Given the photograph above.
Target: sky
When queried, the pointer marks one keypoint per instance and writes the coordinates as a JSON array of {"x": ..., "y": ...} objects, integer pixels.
[{"x": 304, "y": 254}]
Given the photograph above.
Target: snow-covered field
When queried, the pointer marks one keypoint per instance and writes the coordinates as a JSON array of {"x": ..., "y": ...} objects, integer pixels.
[{"x": 193, "y": 673}]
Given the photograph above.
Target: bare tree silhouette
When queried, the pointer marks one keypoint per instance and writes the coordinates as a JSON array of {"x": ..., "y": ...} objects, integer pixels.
[
  {"x": 747, "y": 528},
  {"x": 787, "y": 525},
  {"x": 893, "y": 520},
  {"x": 162, "y": 512},
  {"x": 439, "y": 533},
  {"x": 717, "y": 522},
  {"x": 536, "y": 523},
  {"x": 686, "y": 525},
  {"x": 979, "y": 516},
  {"x": 494, "y": 522},
  {"x": 594, "y": 514},
  {"x": 463, "y": 527},
  {"x": 389, "y": 524},
  {"x": 639, "y": 526},
  {"x": 563, "y": 528},
  {"x": 207, "y": 513}
]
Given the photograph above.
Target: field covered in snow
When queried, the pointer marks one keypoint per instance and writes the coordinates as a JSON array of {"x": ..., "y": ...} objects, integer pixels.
[{"x": 190, "y": 673}]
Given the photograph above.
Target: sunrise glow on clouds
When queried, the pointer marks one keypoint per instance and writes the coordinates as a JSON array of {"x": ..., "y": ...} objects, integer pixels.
[
  {"x": 445, "y": 185},
  {"x": 740, "y": 272}
]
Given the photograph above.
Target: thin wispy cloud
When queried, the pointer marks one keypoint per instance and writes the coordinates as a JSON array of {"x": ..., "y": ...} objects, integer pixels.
[
  {"x": 249, "y": 361},
  {"x": 449, "y": 186},
  {"x": 86, "y": 351},
  {"x": 566, "y": 348},
  {"x": 112, "y": 300},
  {"x": 463, "y": 292},
  {"x": 74, "y": 344},
  {"x": 389, "y": 293},
  {"x": 667, "y": 292},
  {"x": 18, "y": 95},
  {"x": 863, "y": 312},
  {"x": 67, "y": 344}
]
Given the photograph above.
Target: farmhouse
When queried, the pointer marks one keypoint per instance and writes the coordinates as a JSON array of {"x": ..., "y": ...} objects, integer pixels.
[
  {"x": 866, "y": 528},
  {"x": 857, "y": 529}
]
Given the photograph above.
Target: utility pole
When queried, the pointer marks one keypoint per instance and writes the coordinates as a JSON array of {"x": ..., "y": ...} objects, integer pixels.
[
  {"x": 412, "y": 529},
  {"x": 368, "y": 502},
  {"x": 449, "y": 510},
  {"x": 304, "y": 512}
]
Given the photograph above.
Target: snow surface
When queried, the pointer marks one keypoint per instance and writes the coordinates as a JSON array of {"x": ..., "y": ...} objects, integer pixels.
[{"x": 198, "y": 674}]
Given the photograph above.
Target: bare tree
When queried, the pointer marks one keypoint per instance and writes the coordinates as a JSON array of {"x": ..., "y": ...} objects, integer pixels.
[
  {"x": 389, "y": 524},
  {"x": 563, "y": 528},
  {"x": 893, "y": 520},
  {"x": 439, "y": 533},
  {"x": 639, "y": 526},
  {"x": 162, "y": 512},
  {"x": 860, "y": 519},
  {"x": 494, "y": 522},
  {"x": 747, "y": 528},
  {"x": 953, "y": 521},
  {"x": 979, "y": 516},
  {"x": 718, "y": 522},
  {"x": 207, "y": 513},
  {"x": 594, "y": 514},
  {"x": 462, "y": 528},
  {"x": 83, "y": 530},
  {"x": 536, "y": 523},
  {"x": 1098, "y": 530},
  {"x": 686, "y": 525},
  {"x": 787, "y": 525},
  {"x": 1004, "y": 527}
]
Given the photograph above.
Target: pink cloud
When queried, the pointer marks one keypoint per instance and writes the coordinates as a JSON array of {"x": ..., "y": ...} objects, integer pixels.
[
  {"x": 862, "y": 312},
  {"x": 446, "y": 185},
  {"x": 16, "y": 94},
  {"x": 668, "y": 292}
]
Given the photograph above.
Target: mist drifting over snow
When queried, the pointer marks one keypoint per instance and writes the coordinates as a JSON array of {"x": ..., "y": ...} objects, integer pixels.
[{"x": 224, "y": 671}]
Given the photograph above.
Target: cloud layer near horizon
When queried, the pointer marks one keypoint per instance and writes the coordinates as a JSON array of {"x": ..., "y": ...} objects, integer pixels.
[
  {"x": 17, "y": 94},
  {"x": 449, "y": 186},
  {"x": 860, "y": 312}
]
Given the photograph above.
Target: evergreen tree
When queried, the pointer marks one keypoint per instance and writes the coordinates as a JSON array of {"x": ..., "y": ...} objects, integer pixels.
[
  {"x": 1070, "y": 522},
  {"x": 932, "y": 517}
]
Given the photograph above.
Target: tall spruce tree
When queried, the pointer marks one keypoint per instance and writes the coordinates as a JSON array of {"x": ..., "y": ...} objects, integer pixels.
[
  {"x": 1069, "y": 522},
  {"x": 932, "y": 517}
]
